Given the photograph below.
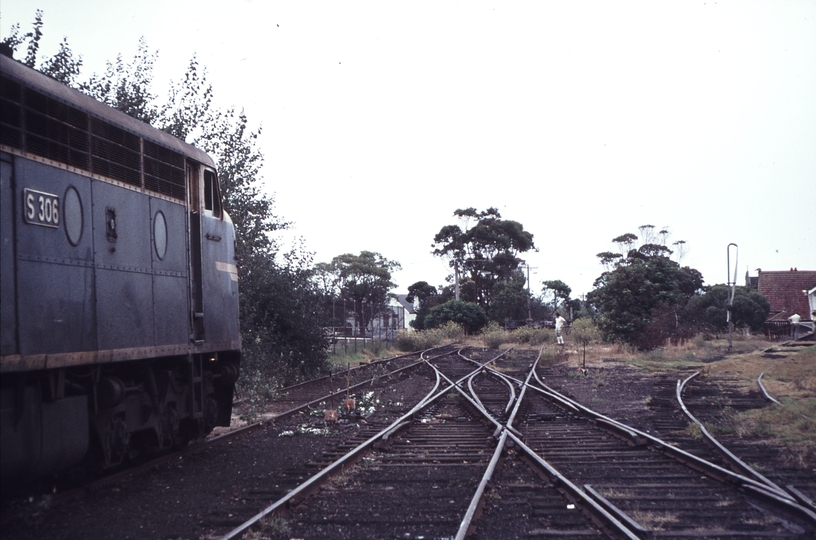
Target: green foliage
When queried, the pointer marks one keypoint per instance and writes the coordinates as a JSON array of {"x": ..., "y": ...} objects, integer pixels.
[
  {"x": 417, "y": 341},
  {"x": 422, "y": 292},
  {"x": 451, "y": 331},
  {"x": 494, "y": 336},
  {"x": 427, "y": 296},
  {"x": 488, "y": 251},
  {"x": 750, "y": 309},
  {"x": 469, "y": 315},
  {"x": 127, "y": 86},
  {"x": 510, "y": 300},
  {"x": 15, "y": 39},
  {"x": 189, "y": 104},
  {"x": 559, "y": 290},
  {"x": 532, "y": 336},
  {"x": 644, "y": 300},
  {"x": 363, "y": 279},
  {"x": 584, "y": 331},
  {"x": 63, "y": 66}
]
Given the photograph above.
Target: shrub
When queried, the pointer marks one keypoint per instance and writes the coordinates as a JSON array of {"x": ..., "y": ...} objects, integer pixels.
[
  {"x": 471, "y": 316},
  {"x": 417, "y": 341},
  {"x": 494, "y": 335},
  {"x": 532, "y": 336},
  {"x": 451, "y": 331}
]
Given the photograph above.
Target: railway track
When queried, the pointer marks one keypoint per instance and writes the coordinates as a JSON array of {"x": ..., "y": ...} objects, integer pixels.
[
  {"x": 295, "y": 399},
  {"x": 440, "y": 468},
  {"x": 476, "y": 445}
]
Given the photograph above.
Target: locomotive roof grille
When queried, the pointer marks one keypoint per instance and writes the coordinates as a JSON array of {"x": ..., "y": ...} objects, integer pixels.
[{"x": 45, "y": 125}]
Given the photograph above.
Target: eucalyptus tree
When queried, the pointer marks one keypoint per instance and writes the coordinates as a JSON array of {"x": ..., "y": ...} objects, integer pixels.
[
  {"x": 560, "y": 292},
  {"x": 644, "y": 299},
  {"x": 365, "y": 281},
  {"x": 483, "y": 246}
]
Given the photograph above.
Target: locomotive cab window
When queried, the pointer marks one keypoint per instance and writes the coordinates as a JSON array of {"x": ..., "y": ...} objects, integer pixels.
[{"x": 212, "y": 197}]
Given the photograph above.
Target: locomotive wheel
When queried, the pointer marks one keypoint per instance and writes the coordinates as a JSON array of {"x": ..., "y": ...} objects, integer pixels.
[
  {"x": 210, "y": 414},
  {"x": 170, "y": 427},
  {"x": 117, "y": 440}
]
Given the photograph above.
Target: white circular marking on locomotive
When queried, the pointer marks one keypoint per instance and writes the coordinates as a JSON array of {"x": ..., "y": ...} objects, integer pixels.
[
  {"x": 160, "y": 235},
  {"x": 72, "y": 215}
]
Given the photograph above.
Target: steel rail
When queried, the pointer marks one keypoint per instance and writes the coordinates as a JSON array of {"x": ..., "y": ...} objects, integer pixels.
[
  {"x": 764, "y": 391},
  {"x": 457, "y": 386},
  {"x": 355, "y": 368},
  {"x": 710, "y": 469},
  {"x": 553, "y": 395},
  {"x": 507, "y": 432},
  {"x": 498, "y": 374},
  {"x": 465, "y": 524},
  {"x": 744, "y": 467},
  {"x": 342, "y": 392},
  {"x": 803, "y": 499},
  {"x": 562, "y": 481},
  {"x": 475, "y": 501},
  {"x": 432, "y": 396},
  {"x": 524, "y": 387}
]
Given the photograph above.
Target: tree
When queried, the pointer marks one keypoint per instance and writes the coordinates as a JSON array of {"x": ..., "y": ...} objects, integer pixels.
[
  {"x": 282, "y": 315},
  {"x": 365, "y": 279},
  {"x": 510, "y": 300},
  {"x": 282, "y": 322},
  {"x": 422, "y": 292},
  {"x": 750, "y": 309},
  {"x": 63, "y": 66},
  {"x": 189, "y": 105},
  {"x": 127, "y": 86},
  {"x": 644, "y": 300},
  {"x": 559, "y": 290},
  {"x": 470, "y": 315},
  {"x": 426, "y": 296},
  {"x": 488, "y": 250},
  {"x": 15, "y": 39}
]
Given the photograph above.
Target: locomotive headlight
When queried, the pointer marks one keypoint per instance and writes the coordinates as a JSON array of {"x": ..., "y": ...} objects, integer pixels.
[{"x": 212, "y": 358}]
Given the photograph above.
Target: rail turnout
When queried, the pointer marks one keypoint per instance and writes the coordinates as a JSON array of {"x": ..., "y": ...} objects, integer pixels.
[{"x": 491, "y": 450}]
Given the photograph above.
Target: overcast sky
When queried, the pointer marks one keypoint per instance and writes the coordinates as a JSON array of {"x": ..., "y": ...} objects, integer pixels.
[{"x": 580, "y": 120}]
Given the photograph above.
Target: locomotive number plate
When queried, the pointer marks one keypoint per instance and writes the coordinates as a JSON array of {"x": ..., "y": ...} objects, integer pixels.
[{"x": 40, "y": 208}]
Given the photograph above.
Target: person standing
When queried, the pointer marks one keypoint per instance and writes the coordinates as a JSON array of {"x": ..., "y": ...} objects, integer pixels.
[
  {"x": 559, "y": 327},
  {"x": 794, "y": 320}
]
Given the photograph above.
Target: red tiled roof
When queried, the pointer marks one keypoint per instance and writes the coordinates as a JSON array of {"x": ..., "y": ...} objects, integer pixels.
[{"x": 783, "y": 289}]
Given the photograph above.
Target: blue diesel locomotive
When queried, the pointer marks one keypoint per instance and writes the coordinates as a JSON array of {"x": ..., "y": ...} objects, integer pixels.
[{"x": 119, "y": 327}]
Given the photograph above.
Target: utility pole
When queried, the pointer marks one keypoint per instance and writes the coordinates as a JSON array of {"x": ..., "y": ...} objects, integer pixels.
[
  {"x": 456, "y": 278},
  {"x": 731, "y": 284},
  {"x": 529, "y": 294}
]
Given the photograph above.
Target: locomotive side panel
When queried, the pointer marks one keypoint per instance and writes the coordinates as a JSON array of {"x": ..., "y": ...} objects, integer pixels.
[
  {"x": 123, "y": 277},
  {"x": 55, "y": 275},
  {"x": 220, "y": 277},
  {"x": 8, "y": 308},
  {"x": 171, "y": 291}
]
